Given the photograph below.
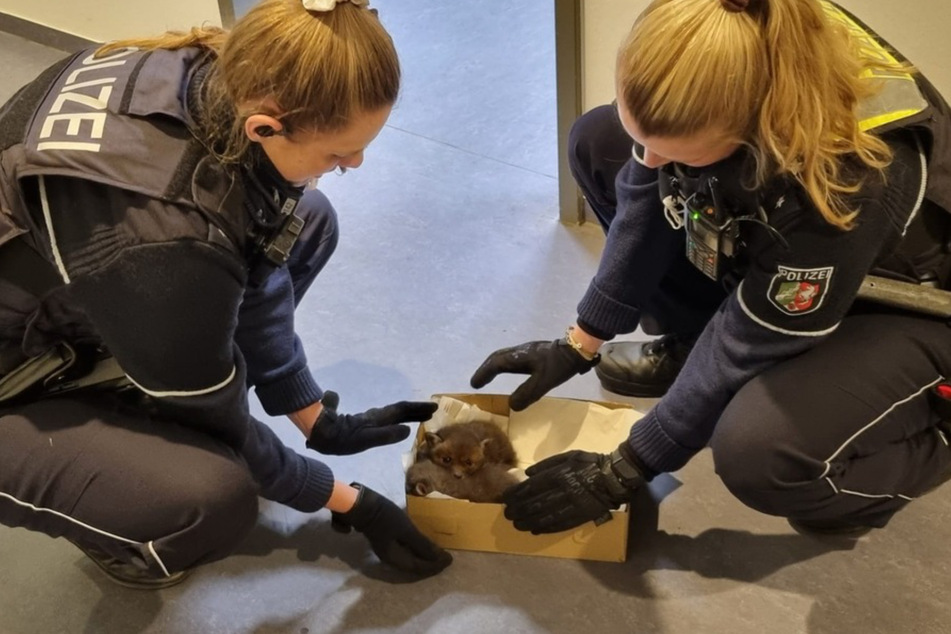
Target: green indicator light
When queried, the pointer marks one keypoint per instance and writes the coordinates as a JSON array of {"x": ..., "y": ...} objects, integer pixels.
[{"x": 696, "y": 215}]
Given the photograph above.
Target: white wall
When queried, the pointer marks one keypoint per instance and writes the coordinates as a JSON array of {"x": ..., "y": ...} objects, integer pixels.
[
  {"x": 918, "y": 30},
  {"x": 102, "y": 20},
  {"x": 605, "y": 24}
]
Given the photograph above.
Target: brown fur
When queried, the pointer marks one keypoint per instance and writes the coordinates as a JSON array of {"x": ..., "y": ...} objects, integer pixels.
[
  {"x": 485, "y": 485},
  {"x": 464, "y": 448}
]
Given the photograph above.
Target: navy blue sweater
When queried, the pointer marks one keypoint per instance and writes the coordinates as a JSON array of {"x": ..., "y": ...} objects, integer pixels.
[{"x": 789, "y": 300}]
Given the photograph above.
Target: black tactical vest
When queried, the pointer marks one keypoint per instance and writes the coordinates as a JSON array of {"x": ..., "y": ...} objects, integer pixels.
[{"x": 119, "y": 120}]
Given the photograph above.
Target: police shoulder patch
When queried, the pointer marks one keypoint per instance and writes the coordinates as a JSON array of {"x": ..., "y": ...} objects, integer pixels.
[{"x": 799, "y": 291}]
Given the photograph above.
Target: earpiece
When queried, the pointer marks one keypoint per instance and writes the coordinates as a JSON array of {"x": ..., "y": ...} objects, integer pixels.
[
  {"x": 265, "y": 130},
  {"x": 260, "y": 126}
]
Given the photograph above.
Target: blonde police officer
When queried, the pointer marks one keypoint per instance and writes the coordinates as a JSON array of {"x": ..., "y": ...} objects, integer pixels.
[{"x": 782, "y": 153}]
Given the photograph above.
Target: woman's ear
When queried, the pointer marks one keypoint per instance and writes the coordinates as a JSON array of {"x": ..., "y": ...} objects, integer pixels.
[{"x": 260, "y": 126}]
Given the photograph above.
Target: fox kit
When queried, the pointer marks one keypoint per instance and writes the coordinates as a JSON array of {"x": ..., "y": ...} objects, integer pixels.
[
  {"x": 464, "y": 448},
  {"x": 485, "y": 485}
]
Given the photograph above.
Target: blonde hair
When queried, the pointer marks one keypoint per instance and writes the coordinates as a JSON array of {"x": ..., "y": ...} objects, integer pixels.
[
  {"x": 779, "y": 77},
  {"x": 321, "y": 69}
]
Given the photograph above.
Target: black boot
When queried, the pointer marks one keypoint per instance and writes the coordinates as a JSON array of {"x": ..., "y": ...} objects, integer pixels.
[
  {"x": 129, "y": 575},
  {"x": 836, "y": 530},
  {"x": 643, "y": 369}
]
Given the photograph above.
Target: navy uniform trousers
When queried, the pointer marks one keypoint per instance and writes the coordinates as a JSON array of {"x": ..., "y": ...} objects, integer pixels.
[
  {"x": 842, "y": 434},
  {"x": 103, "y": 474}
]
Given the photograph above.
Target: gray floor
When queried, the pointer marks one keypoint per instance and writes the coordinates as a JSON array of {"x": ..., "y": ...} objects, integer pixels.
[{"x": 450, "y": 248}]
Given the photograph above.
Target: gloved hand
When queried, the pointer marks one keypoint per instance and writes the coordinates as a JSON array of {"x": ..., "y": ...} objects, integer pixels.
[
  {"x": 550, "y": 363},
  {"x": 392, "y": 535},
  {"x": 344, "y": 434},
  {"x": 569, "y": 489}
]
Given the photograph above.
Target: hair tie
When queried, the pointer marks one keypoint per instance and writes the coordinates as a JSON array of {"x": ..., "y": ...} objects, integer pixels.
[
  {"x": 735, "y": 6},
  {"x": 323, "y": 6}
]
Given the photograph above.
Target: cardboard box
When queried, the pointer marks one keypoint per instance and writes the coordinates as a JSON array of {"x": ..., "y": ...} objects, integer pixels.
[{"x": 549, "y": 427}]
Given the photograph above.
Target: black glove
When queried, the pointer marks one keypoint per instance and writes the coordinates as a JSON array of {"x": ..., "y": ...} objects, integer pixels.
[
  {"x": 344, "y": 434},
  {"x": 392, "y": 535},
  {"x": 550, "y": 363},
  {"x": 569, "y": 489}
]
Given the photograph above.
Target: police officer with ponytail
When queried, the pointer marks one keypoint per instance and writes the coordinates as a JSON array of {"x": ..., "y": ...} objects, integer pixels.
[
  {"x": 157, "y": 233},
  {"x": 774, "y": 183}
]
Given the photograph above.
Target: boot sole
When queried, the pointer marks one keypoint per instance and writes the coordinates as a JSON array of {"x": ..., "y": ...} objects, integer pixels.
[
  {"x": 155, "y": 583},
  {"x": 626, "y": 388}
]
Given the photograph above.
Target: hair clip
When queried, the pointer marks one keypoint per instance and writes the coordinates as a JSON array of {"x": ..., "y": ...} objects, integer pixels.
[{"x": 323, "y": 6}]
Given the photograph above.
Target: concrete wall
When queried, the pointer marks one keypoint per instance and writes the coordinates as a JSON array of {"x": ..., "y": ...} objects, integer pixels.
[{"x": 102, "y": 20}]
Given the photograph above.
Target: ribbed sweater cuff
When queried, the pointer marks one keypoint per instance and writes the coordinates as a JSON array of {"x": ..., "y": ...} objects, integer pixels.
[
  {"x": 289, "y": 394},
  {"x": 658, "y": 451},
  {"x": 605, "y": 314},
  {"x": 594, "y": 332},
  {"x": 317, "y": 485}
]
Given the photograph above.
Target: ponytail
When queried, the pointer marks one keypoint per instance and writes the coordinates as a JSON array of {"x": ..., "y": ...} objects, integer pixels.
[
  {"x": 209, "y": 37},
  {"x": 808, "y": 123}
]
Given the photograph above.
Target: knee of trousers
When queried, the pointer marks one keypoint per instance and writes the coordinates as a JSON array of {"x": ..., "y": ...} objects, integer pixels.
[
  {"x": 318, "y": 239},
  {"x": 752, "y": 453},
  {"x": 221, "y": 505},
  {"x": 590, "y": 135}
]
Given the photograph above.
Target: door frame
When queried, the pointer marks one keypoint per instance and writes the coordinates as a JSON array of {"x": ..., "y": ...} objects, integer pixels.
[{"x": 568, "y": 64}]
